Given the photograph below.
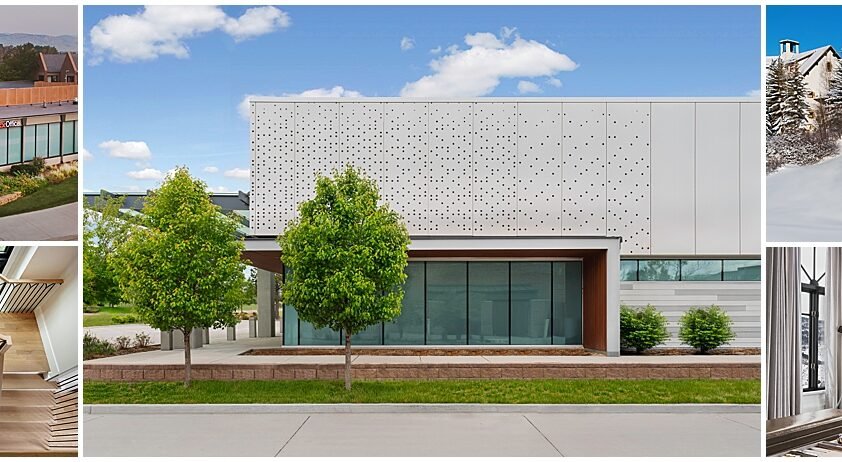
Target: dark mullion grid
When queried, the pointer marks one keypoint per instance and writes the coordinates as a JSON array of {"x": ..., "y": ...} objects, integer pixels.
[
  {"x": 468, "y": 303},
  {"x": 814, "y": 290},
  {"x": 552, "y": 306},
  {"x": 426, "y": 341},
  {"x": 510, "y": 302}
]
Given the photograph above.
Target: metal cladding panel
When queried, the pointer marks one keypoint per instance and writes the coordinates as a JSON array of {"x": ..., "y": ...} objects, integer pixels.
[
  {"x": 316, "y": 145},
  {"x": 673, "y": 189},
  {"x": 583, "y": 170},
  {"x": 406, "y": 171},
  {"x": 750, "y": 174},
  {"x": 717, "y": 178},
  {"x": 361, "y": 138},
  {"x": 451, "y": 149},
  {"x": 495, "y": 169},
  {"x": 628, "y": 176},
  {"x": 539, "y": 160},
  {"x": 272, "y": 203}
]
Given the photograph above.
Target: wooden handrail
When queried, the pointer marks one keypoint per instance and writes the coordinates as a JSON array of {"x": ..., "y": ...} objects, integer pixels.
[
  {"x": 31, "y": 281},
  {"x": 5, "y": 344}
]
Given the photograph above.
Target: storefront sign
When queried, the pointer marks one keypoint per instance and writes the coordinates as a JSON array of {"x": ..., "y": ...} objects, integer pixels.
[{"x": 10, "y": 123}]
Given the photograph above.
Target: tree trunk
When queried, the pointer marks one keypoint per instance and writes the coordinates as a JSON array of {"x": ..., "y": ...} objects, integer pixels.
[
  {"x": 347, "y": 361},
  {"x": 187, "y": 364}
]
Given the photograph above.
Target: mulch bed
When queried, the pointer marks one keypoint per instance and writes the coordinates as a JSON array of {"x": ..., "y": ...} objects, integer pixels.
[
  {"x": 693, "y": 351},
  {"x": 127, "y": 351}
]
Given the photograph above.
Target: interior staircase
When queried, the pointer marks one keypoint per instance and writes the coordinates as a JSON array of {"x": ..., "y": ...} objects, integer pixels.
[{"x": 28, "y": 420}]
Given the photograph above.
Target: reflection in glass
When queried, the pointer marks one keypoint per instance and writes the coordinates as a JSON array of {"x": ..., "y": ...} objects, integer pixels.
[
  {"x": 531, "y": 286},
  {"x": 567, "y": 303},
  {"x": 488, "y": 302},
  {"x": 741, "y": 270},
  {"x": 447, "y": 303},
  {"x": 408, "y": 328},
  {"x": 701, "y": 270},
  {"x": 658, "y": 270}
]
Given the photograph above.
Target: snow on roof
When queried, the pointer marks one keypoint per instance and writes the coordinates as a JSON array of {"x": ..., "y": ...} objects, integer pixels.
[{"x": 806, "y": 59}]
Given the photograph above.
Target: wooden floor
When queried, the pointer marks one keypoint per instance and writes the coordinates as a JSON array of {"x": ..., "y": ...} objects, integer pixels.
[{"x": 27, "y": 352}]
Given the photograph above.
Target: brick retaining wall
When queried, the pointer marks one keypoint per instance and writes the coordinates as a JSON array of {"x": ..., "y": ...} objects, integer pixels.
[{"x": 135, "y": 373}]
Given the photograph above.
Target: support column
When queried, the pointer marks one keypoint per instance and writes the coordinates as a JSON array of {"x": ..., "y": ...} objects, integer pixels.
[{"x": 266, "y": 295}]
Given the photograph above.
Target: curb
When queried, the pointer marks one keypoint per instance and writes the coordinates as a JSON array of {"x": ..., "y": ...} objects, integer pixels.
[{"x": 139, "y": 409}]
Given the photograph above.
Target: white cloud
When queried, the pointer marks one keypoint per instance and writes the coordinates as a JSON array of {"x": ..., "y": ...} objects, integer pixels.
[
  {"x": 239, "y": 173},
  {"x": 220, "y": 189},
  {"x": 477, "y": 71},
  {"x": 753, "y": 93},
  {"x": 525, "y": 86},
  {"x": 507, "y": 32},
  {"x": 436, "y": 50},
  {"x": 244, "y": 108},
  {"x": 146, "y": 174},
  {"x": 554, "y": 82},
  {"x": 87, "y": 154},
  {"x": 137, "y": 150},
  {"x": 211, "y": 169},
  {"x": 159, "y": 30},
  {"x": 407, "y": 43}
]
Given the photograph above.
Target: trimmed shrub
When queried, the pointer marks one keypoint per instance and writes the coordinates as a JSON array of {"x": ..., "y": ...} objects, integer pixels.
[
  {"x": 141, "y": 340},
  {"x": 90, "y": 309},
  {"x": 642, "y": 328},
  {"x": 39, "y": 164},
  {"x": 24, "y": 169},
  {"x": 123, "y": 342},
  {"x": 706, "y": 328},
  {"x": 125, "y": 319},
  {"x": 92, "y": 347}
]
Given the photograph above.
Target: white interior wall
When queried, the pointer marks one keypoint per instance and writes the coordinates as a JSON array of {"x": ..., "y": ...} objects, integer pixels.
[{"x": 58, "y": 316}]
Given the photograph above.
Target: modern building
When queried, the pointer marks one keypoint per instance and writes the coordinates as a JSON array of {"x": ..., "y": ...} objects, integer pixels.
[
  {"x": 47, "y": 130},
  {"x": 532, "y": 220},
  {"x": 815, "y": 65},
  {"x": 57, "y": 67}
]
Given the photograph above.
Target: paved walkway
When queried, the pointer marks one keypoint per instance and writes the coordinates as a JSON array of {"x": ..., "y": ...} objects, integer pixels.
[
  {"x": 600, "y": 432},
  {"x": 53, "y": 224},
  {"x": 129, "y": 330}
]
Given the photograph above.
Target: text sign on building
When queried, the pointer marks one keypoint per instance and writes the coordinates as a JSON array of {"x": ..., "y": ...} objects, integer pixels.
[{"x": 10, "y": 123}]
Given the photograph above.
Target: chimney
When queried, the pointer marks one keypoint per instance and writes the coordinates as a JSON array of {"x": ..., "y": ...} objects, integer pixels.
[{"x": 789, "y": 48}]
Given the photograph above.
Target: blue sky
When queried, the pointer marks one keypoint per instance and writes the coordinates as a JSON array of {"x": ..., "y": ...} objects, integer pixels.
[
  {"x": 812, "y": 26},
  {"x": 161, "y": 92}
]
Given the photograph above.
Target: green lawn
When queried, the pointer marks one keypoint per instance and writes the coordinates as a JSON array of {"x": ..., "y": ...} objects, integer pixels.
[
  {"x": 51, "y": 195},
  {"x": 419, "y": 391},
  {"x": 103, "y": 318}
]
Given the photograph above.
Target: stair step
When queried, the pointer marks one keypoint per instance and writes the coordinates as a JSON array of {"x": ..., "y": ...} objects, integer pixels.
[
  {"x": 26, "y": 382},
  {"x": 27, "y": 397},
  {"x": 24, "y": 414}
]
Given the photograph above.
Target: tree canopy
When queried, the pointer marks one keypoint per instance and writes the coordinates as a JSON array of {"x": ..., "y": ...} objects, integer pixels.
[{"x": 20, "y": 62}]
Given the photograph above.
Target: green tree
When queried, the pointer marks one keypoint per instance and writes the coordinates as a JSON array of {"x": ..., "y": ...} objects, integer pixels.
[
  {"x": 346, "y": 255},
  {"x": 182, "y": 264},
  {"x": 775, "y": 83},
  {"x": 21, "y": 62},
  {"x": 104, "y": 229}
]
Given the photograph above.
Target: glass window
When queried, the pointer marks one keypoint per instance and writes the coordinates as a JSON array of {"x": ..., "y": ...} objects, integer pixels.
[
  {"x": 15, "y": 145},
  {"x": 55, "y": 140},
  {"x": 309, "y": 335},
  {"x": 28, "y": 142},
  {"x": 290, "y": 317},
  {"x": 4, "y": 146},
  {"x": 41, "y": 140},
  {"x": 701, "y": 270},
  {"x": 628, "y": 270},
  {"x": 567, "y": 303},
  {"x": 531, "y": 286},
  {"x": 68, "y": 138},
  {"x": 658, "y": 270},
  {"x": 447, "y": 303},
  {"x": 372, "y": 335},
  {"x": 741, "y": 270},
  {"x": 408, "y": 328},
  {"x": 488, "y": 303}
]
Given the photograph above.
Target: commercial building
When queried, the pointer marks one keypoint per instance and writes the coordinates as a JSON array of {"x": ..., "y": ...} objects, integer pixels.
[
  {"x": 45, "y": 130},
  {"x": 532, "y": 220}
]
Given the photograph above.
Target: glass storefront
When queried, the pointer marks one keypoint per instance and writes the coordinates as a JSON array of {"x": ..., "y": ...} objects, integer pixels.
[
  {"x": 472, "y": 303},
  {"x": 24, "y": 143}
]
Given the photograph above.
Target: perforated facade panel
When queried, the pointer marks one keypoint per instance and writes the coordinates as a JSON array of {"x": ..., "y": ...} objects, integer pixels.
[{"x": 526, "y": 167}]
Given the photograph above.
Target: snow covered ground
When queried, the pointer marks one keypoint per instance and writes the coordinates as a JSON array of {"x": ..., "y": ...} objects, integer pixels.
[{"x": 804, "y": 204}]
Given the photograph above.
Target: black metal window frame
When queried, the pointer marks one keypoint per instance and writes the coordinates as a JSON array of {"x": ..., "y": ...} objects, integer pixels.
[
  {"x": 4, "y": 257},
  {"x": 23, "y": 144},
  {"x": 680, "y": 262},
  {"x": 814, "y": 289}
]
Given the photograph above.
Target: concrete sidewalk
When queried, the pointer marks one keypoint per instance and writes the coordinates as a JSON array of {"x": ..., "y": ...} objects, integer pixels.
[
  {"x": 602, "y": 432},
  {"x": 53, "y": 224}
]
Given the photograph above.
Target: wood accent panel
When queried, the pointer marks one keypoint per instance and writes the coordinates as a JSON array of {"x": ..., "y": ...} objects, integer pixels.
[
  {"x": 269, "y": 260},
  {"x": 595, "y": 301}
]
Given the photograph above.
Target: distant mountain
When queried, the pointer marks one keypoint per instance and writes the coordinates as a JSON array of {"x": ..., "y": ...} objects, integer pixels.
[{"x": 61, "y": 42}]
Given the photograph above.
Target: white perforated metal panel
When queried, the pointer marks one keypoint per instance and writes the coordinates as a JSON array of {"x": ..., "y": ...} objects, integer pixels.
[
  {"x": 451, "y": 149},
  {"x": 539, "y": 158},
  {"x": 628, "y": 176},
  {"x": 583, "y": 170},
  {"x": 316, "y": 145},
  {"x": 361, "y": 138},
  {"x": 272, "y": 201},
  {"x": 406, "y": 170},
  {"x": 495, "y": 169}
]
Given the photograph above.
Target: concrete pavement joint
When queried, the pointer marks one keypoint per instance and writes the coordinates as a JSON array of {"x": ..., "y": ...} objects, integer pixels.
[
  {"x": 542, "y": 434},
  {"x": 741, "y": 423},
  {"x": 291, "y": 437},
  {"x": 394, "y": 408}
]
